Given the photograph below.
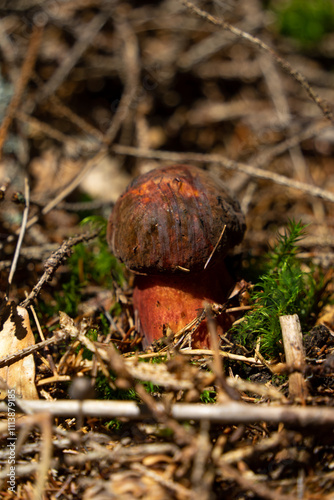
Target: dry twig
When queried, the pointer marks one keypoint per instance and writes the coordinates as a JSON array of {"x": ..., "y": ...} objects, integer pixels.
[
  {"x": 294, "y": 354},
  {"x": 9, "y": 360},
  {"x": 54, "y": 261},
  {"x": 229, "y": 165},
  {"x": 229, "y": 413}
]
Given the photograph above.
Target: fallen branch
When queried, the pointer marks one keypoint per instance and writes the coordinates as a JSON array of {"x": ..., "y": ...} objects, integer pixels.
[
  {"x": 231, "y": 413},
  {"x": 54, "y": 261}
]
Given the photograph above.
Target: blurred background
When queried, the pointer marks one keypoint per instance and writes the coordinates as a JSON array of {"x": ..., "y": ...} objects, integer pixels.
[{"x": 84, "y": 81}]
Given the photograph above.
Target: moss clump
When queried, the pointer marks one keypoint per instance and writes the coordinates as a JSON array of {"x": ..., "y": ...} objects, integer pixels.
[
  {"x": 284, "y": 288},
  {"x": 306, "y": 21}
]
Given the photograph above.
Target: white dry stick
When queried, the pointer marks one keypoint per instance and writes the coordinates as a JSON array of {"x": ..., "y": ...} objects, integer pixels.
[
  {"x": 22, "y": 231},
  {"x": 294, "y": 354},
  {"x": 231, "y": 413}
]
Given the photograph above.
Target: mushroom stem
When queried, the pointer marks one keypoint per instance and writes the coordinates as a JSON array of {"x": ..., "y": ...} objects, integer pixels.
[{"x": 174, "y": 301}]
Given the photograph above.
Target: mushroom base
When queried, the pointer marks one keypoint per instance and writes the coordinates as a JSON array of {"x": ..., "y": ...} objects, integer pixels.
[{"x": 172, "y": 302}]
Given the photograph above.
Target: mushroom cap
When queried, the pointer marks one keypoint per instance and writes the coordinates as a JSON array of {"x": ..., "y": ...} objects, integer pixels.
[{"x": 170, "y": 219}]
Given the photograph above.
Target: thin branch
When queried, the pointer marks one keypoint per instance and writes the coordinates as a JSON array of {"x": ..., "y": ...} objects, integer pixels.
[
  {"x": 13, "y": 358},
  {"x": 54, "y": 261},
  {"x": 229, "y": 165}
]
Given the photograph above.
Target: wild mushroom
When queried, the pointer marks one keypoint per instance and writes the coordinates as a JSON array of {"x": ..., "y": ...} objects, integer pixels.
[{"x": 173, "y": 227}]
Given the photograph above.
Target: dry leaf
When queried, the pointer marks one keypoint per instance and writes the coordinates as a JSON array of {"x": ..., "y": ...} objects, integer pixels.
[
  {"x": 327, "y": 317},
  {"x": 15, "y": 335}
]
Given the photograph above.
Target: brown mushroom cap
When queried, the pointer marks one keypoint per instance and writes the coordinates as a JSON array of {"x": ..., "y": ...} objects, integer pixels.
[{"x": 170, "y": 219}]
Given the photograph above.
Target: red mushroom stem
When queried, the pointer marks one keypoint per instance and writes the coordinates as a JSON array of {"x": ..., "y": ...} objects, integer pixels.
[{"x": 169, "y": 303}]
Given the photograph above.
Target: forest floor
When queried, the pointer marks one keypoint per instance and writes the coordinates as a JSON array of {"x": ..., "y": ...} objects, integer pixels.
[{"x": 92, "y": 94}]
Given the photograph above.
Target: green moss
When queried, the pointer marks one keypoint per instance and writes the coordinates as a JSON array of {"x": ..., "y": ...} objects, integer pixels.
[
  {"x": 104, "y": 391},
  {"x": 94, "y": 263},
  {"x": 284, "y": 288},
  {"x": 90, "y": 263},
  {"x": 69, "y": 297},
  {"x": 306, "y": 21},
  {"x": 208, "y": 396}
]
